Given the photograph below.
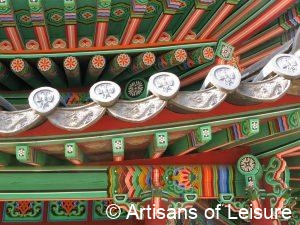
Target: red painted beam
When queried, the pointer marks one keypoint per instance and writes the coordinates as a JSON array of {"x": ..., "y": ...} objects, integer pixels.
[
  {"x": 273, "y": 32},
  {"x": 42, "y": 36},
  {"x": 130, "y": 30},
  {"x": 244, "y": 63},
  {"x": 217, "y": 20},
  {"x": 13, "y": 35},
  {"x": 160, "y": 27},
  {"x": 196, "y": 76},
  {"x": 100, "y": 34},
  {"x": 71, "y": 32},
  {"x": 236, "y": 19},
  {"x": 190, "y": 23},
  {"x": 261, "y": 21}
]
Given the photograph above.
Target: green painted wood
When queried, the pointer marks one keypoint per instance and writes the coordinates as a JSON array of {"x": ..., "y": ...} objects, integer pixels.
[
  {"x": 256, "y": 51},
  {"x": 191, "y": 141},
  {"x": 73, "y": 153},
  {"x": 271, "y": 145},
  {"x": 76, "y": 195},
  {"x": 151, "y": 18},
  {"x": 180, "y": 16},
  {"x": 23, "y": 183},
  {"x": 50, "y": 70},
  {"x": 264, "y": 7},
  {"x": 293, "y": 162},
  {"x": 118, "y": 148},
  {"x": 22, "y": 13},
  {"x": 116, "y": 66},
  {"x": 295, "y": 185},
  {"x": 26, "y": 154},
  {"x": 208, "y": 15},
  {"x": 52, "y": 181},
  {"x": 9, "y": 80},
  {"x": 86, "y": 19},
  {"x": 72, "y": 71},
  {"x": 139, "y": 64},
  {"x": 158, "y": 145},
  {"x": 26, "y": 72},
  {"x": 96, "y": 66},
  {"x": 119, "y": 16},
  {"x": 280, "y": 149},
  {"x": 54, "y": 14},
  {"x": 6, "y": 159},
  {"x": 220, "y": 138},
  {"x": 264, "y": 132},
  {"x": 240, "y": 7}
]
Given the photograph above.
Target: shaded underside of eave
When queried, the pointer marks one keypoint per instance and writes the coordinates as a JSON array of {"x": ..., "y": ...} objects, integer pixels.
[{"x": 119, "y": 17}]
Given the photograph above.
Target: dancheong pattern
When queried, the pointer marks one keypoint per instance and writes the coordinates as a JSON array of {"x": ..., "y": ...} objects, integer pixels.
[
  {"x": 206, "y": 181},
  {"x": 16, "y": 211},
  {"x": 68, "y": 210}
]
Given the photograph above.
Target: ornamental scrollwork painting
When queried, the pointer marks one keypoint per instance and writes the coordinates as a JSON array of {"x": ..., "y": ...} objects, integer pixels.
[
  {"x": 68, "y": 210},
  {"x": 17, "y": 211}
]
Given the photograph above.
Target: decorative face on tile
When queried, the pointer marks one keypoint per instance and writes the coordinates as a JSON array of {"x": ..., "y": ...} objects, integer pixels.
[
  {"x": 106, "y": 93},
  {"x": 164, "y": 85},
  {"x": 286, "y": 65},
  {"x": 44, "y": 100},
  {"x": 225, "y": 77}
]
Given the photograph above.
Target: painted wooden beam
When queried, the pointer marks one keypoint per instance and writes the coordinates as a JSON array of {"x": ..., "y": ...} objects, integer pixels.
[
  {"x": 218, "y": 18},
  {"x": 190, "y": 142},
  {"x": 23, "y": 70},
  {"x": 130, "y": 30},
  {"x": 259, "y": 22},
  {"x": 28, "y": 155},
  {"x": 264, "y": 134},
  {"x": 158, "y": 146},
  {"x": 285, "y": 23},
  {"x": 192, "y": 78},
  {"x": 189, "y": 23},
  {"x": 72, "y": 71},
  {"x": 38, "y": 21},
  {"x": 103, "y": 12},
  {"x": 139, "y": 64},
  {"x": 53, "y": 184},
  {"x": 118, "y": 148},
  {"x": 272, "y": 147},
  {"x": 234, "y": 133},
  {"x": 293, "y": 162},
  {"x": 239, "y": 15},
  {"x": 161, "y": 25},
  {"x": 198, "y": 57},
  {"x": 73, "y": 153},
  {"x": 274, "y": 129},
  {"x": 95, "y": 68},
  {"x": 100, "y": 34},
  {"x": 116, "y": 66},
  {"x": 7, "y": 20},
  {"x": 9, "y": 80},
  {"x": 51, "y": 72},
  {"x": 6, "y": 159},
  {"x": 245, "y": 62},
  {"x": 71, "y": 23},
  {"x": 266, "y": 36},
  {"x": 138, "y": 9},
  {"x": 166, "y": 61}
]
